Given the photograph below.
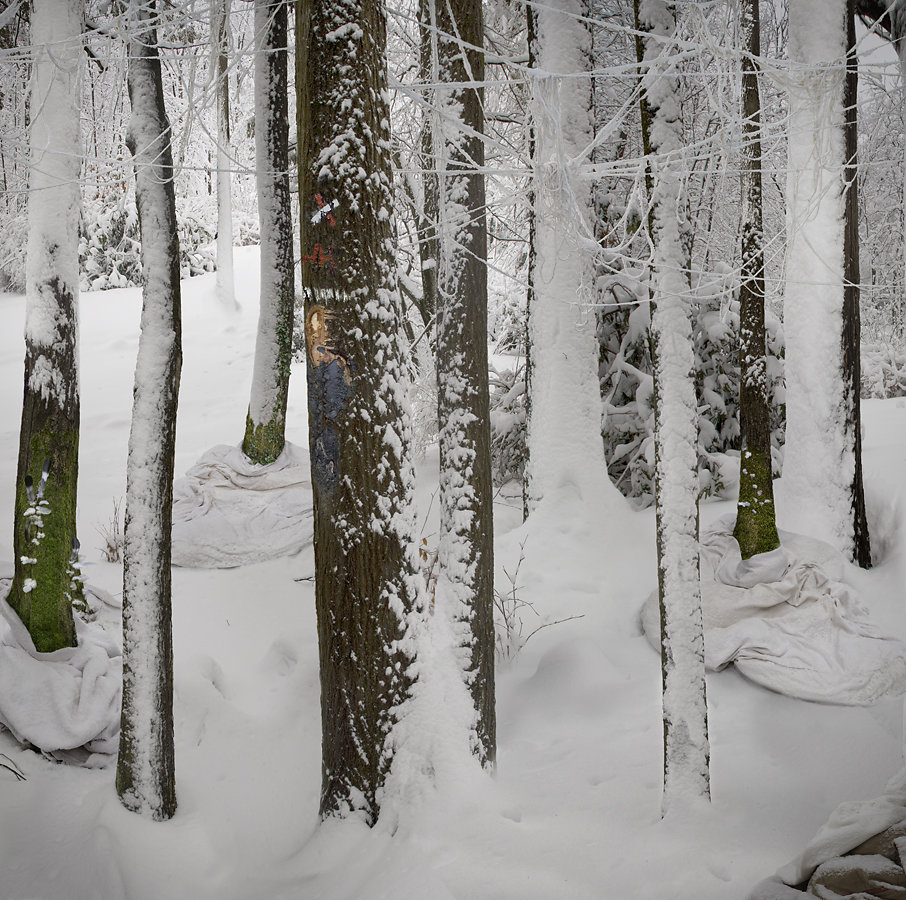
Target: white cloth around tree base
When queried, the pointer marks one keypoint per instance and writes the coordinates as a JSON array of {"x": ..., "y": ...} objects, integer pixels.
[
  {"x": 229, "y": 511},
  {"x": 787, "y": 622},
  {"x": 65, "y": 703}
]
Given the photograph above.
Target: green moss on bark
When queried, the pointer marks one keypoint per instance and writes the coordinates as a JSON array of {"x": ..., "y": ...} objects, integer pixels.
[
  {"x": 45, "y": 584},
  {"x": 263, "y": 443},
  {"x": 756, "y": 529}
]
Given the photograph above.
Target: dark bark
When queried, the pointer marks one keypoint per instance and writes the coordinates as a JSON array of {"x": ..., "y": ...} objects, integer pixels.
[
  {"x": 466, "y": 491},
  {"x": 365, "y": 571},
  {"x": 851, "y": 276},
  {"x": 265, "y": 428},
  {"x": 145, "y": 778},
  {"x": 756, "y": 526},
  {"x": 45, "y": 583},
  {"x": 531, "y": 27}
]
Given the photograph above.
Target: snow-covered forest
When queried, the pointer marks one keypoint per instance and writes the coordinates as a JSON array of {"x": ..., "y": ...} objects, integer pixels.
[{"x": 460, "y": 449}]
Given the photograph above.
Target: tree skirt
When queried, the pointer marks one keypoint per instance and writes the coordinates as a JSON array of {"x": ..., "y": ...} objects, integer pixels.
[
  {"x": 858, "y": 853},
  {"x": 228, "y": 511},
  {"x": 66, "y": 703},
  {"x": 787, "y": 622}
]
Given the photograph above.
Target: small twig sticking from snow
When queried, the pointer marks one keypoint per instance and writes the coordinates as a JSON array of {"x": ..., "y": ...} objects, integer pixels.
[
  {"x": 112, "y": 534},
  {"x": 10, "y": 766}
]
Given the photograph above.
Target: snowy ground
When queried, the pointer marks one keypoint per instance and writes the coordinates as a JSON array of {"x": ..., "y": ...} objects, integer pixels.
[{"x": 573, "y": 811}]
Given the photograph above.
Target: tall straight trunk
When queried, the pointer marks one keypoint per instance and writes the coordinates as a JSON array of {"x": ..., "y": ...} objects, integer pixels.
[
  {"x": 852, "y": 374},
  {"x": 531, "y": 31},
  {"x": 466, "y": 549},
  {"x": 685, "y": 712},
  {"x": 564, "y": 442},
  {"x": 265, "y": 426},
  {"x": 426, "y": 226},
  {"x": 46, "y": 582},
  {"x": 821, "y": 457},
  {"x": 366, "y": 581},
  {"x": 220, "y": 51},
  {"x": 756, "y": 525},
  {"x": 145, "y": 777}
]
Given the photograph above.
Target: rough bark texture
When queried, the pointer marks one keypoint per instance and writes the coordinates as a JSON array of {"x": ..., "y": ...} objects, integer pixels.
[
  {"x": 145, "y": 778},
  {"x": 756, "y": 526},
  {"x": 366, "y": 581},
  {"x": 466, "y": 549},
  {"x": 851, "y": 319},
  {"x": 45, "y": 583},
  {"x": 686, "y": 748},
  {"x": 531, "y": 29},
  {"x": 265, "y": 427}
]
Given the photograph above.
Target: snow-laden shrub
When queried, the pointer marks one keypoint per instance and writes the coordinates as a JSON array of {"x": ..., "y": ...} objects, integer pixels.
[
  {"x": 507, "y": 424},
  {"x": 883, "y": 371},
  {"x": 13, "y": 240}
]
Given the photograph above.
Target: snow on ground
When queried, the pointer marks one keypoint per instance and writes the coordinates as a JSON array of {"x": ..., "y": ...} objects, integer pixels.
[{"x": 573, "y": 811}]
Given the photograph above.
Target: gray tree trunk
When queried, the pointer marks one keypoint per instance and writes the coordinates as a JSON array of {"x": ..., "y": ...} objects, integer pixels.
[
  {"x": 466, "y": 549},
  {"x": 265, "y": 426},
  {"x": 426, "y": 224},
  {"x": 145, "y": 777},
  {"x": 756, "y": 527},
  {"x": 45, "y": 582},
  {"x": 366, "y": 579}
]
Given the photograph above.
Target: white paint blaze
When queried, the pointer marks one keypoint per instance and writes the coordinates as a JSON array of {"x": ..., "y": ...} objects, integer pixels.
[{"x": 819, "y": 461}]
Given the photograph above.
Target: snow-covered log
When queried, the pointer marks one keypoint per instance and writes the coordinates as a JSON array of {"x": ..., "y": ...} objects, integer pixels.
[{"x": 145, "y": 771}]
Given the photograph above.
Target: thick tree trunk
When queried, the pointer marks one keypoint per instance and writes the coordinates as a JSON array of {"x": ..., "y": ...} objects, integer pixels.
[
  {"x": 756, "y": 526},
  {"x": 852, "y": 368},
  {"x": 145, "y": 777},
  {"x": 366, "y": 581},
  {"x": 686, "y": 747},
  {"x": 466, "y": 549},
  {"x": 220, "y": 51},
  {"x": 266, "y": 422},
  {"x": 46, "y": 580}
]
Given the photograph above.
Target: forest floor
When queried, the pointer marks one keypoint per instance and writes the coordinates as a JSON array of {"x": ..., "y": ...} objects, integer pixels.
[{"x": 574, "y": 808}]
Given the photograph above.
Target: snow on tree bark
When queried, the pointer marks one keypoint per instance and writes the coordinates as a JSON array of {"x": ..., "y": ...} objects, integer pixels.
[
  {"x": 366, "y": 566},
  {"x": 266, "y": 422},
  {"x": 756, "y": 526},
  {"x": 564, "y": 442},
  {"x": 466, "y": 554},
  {"x": 145, "y": 777},
  {"x": 46, "y": 580},
  {"x": 220, "y": 58},
  {"x": 820, "y": 459},
  {"x": 686, "y": 747}
]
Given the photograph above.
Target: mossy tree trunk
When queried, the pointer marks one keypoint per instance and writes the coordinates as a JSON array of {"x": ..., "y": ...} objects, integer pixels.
[
  {"x": 145, "y": 779},
  {"x": 46, "y": 580},
  {"x": 265, "y": 426},
  {"x": 366, "y": 579},
  {"x": 466, "y": 549},
  {"x": 852, "y": 373},
  {"x": 756, "y": 527}
]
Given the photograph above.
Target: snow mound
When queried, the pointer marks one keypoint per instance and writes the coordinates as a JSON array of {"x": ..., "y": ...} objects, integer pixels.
[
  {"x": 65, "y": 703},
  {"x": 229, "y": 511},
  {"x": 789, "y": 623}
]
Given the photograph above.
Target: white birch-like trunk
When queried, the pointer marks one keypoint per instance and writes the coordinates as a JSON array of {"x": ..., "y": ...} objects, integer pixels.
[
  {"x": 220, "y": 54},
  {"x": 819, "y": 458},
  {"x": 565, "y": 447},
  {"x": 145, "y": 769},
  {"x": 686, "y": 746}
]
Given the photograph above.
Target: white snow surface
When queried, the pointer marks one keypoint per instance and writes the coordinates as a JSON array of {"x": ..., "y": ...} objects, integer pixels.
[
  {"x": 228, "y": 511},
  {"x": 574, "y": 808}
]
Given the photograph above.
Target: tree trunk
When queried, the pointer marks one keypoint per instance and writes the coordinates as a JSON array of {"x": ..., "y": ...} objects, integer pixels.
[
  {"x": 466, "y": 549},
  {"x": 756, "y": 526},
  {"x": 266, "y": 422},
  {"x": 852, "y": 367},
  {"x": 46, "y": 581},
  {"x": 564, "y": 413},
  {"x": 145, "y": 771},
  {"x": 220, "y": 51},
  {"x": 426, "y": 225},
  {"x": 366, "y": 582},
  {"x": 686, "y": 748}
]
